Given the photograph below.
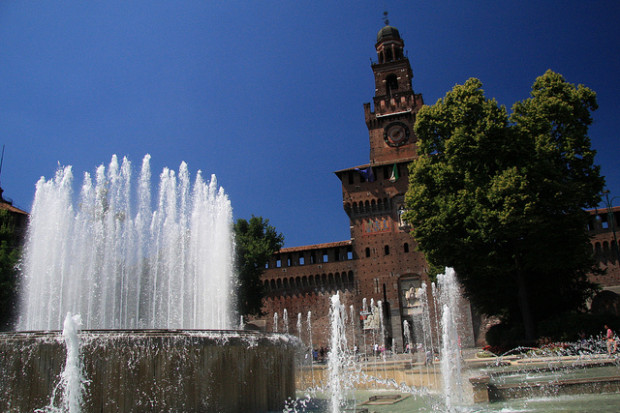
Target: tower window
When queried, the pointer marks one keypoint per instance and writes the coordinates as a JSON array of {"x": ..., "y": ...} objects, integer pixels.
[
  {"x": 387, "y": 250},
  {"x": 367, "y": 252},
  {"x": 406, "y": 247},
  {"x": 391, "y": 84}
]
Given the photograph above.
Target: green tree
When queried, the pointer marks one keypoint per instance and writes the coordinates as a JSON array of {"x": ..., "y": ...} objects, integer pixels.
[
  {"x": 255, "y": 243},
  {"x": 9, "y": 256},
  {"x": 501, "y": 198}
]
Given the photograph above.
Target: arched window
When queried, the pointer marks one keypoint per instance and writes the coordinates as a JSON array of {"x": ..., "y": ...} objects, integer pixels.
[
  {"x": 391, "y": 84},
  {"x": 406, "y": 247},
  {"x": 367, "y": 252},
  {"x": 387, "y": 250}
]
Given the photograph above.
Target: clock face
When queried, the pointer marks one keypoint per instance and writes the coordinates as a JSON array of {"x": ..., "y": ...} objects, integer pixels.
[{"x": 396, "y": 134}]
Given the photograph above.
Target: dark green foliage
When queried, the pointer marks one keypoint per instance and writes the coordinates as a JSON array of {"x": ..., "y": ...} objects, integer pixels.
[
  {"x": 505, "y": 337},
  {"x": 255, "y": 243},
  {"x": 501, "y": 198},
  {"x": 569, "y": 327},
  {"x": 9, "y": 256}
]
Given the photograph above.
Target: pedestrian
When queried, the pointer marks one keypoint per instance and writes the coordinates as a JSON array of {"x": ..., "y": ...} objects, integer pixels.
[{"x": 611, "y": 340}]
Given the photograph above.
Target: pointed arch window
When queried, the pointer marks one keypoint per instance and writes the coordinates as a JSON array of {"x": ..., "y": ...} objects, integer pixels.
[{"x": 391, "y": 84}]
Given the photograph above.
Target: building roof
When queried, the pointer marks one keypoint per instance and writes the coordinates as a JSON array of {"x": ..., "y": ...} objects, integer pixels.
[
  {"x": 11, "y": 208},
  {"x": 603, "y": 210},
  {"x": 388, "y": 33},
  {"x": 315, "y": 247},
  {"x": 383, "y": 163}
]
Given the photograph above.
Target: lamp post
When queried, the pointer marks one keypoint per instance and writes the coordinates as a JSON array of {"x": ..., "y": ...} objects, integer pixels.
[{"x": 612, "y": 221}]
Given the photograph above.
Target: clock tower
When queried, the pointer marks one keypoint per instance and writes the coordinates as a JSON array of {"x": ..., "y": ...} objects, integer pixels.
[
  {"x": 395, "y": 103},
  {"x": 380, "y": 261}
]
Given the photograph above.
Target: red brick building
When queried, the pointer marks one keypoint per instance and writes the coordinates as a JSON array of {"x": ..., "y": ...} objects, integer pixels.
[{"x": 603, "y": 227}]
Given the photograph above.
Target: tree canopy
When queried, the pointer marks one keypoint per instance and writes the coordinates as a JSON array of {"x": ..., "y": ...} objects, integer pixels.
[
  {"x": 255, "y": 243},
  {"x": 501, "y": 198},
  {"x": 9, "y": 256}
]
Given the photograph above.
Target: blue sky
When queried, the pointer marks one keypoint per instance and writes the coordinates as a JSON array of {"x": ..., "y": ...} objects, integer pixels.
[{"x": 268, "y": 95}]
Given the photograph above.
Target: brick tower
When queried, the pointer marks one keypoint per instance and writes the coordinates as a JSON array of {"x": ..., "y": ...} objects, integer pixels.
[
  {"x": 388, "y": 265},
  {"x": 380, "y": 261}
]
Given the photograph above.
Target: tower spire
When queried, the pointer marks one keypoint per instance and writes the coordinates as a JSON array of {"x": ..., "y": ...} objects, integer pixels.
[{"x": 385, "y": 18}]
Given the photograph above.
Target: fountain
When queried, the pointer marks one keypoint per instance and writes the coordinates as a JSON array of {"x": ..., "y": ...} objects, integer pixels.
[
  {"x": 582, "y": 378},
  {"x": 153, "y": 288}
]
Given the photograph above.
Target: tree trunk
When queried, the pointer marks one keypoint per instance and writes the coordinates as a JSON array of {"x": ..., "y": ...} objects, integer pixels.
[{"x": 524, "y": 306}]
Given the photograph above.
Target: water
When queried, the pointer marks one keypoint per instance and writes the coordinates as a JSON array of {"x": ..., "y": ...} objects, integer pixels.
[
  {"x": 337, "y": 357},
  {"x": 600, "y": 403},
  {"x": 450, "y": 364},
  {"x": 72, "y": 380},
  {"x": 122, "y": 264}
]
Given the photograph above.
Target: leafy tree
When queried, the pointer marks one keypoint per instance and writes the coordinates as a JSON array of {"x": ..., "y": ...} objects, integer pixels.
[
  {"x": 256, "y": 241},
  {"x": 501, "y": 198},
  {"x": 9, "y": 256}
]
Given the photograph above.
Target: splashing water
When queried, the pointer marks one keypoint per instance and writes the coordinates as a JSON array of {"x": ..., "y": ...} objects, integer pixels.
[
  {"x": 73, "y": 376},
  {"x": 450, "y": 365},
  {"x": 72, "y": 380},
  {"x": 125, "y": 266},
  {"x": 337, "y": 357}
]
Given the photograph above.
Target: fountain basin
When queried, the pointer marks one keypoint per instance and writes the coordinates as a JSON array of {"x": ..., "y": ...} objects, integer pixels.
[
  {"x": 153, "y": 370},
  {"x": 597, "y": 376}
]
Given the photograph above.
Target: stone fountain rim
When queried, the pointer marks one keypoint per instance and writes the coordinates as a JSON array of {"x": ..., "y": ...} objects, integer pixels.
[{"x": 217, "y": 335}]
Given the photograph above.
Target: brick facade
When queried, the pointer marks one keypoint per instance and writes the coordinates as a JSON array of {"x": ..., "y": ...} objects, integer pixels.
[{"x": 603, "y": 240}]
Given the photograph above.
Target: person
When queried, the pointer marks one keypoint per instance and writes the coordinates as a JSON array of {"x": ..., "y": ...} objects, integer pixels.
[
  {"x": 429, "y": 358},
  {"x": 611, "y": 341}
]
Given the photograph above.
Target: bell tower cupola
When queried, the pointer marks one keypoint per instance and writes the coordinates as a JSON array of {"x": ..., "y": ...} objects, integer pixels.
[{"x": 389, "y": 45}]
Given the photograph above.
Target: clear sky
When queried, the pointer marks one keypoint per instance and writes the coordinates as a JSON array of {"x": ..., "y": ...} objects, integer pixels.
[{"x": 268, "y": 95}]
